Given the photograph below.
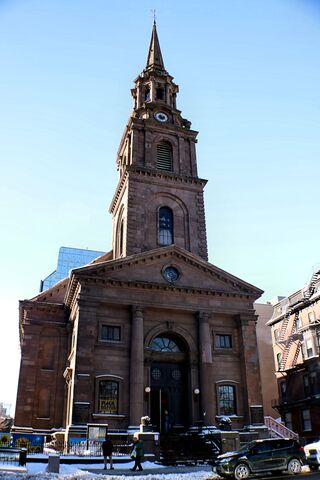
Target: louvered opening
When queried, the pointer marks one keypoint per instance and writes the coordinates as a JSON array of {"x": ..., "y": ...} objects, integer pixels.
[{"x": 164, "y": 157}]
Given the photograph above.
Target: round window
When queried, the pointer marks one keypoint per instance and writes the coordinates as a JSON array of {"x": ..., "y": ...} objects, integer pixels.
[{"x": 171, "y": 274}]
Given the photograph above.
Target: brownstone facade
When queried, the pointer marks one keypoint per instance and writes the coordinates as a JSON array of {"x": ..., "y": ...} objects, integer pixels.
[
  {"x": 151, "y": 328},
  {"x": 295, "y": 329}
]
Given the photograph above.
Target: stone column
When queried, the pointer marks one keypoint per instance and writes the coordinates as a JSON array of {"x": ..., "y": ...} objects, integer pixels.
[
  {"x": 249, "y": 364},
  {"x": 205, "y": 369},
  {"x": 136, "y": 367}
]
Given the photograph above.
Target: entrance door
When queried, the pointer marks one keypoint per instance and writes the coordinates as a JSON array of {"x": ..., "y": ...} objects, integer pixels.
[{"x": 169, "y": 406}]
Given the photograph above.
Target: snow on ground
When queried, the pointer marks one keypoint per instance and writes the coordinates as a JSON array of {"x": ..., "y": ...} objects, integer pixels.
[{"x": 37, "y": 471}]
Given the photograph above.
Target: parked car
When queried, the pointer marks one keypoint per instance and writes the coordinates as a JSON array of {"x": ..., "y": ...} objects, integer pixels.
[
  {"x": 269, "y": 455},
  {"x": 312, "y": 451}
]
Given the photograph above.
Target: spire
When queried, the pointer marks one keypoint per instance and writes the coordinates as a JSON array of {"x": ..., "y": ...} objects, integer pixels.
[{"x": 154, "y": 54}]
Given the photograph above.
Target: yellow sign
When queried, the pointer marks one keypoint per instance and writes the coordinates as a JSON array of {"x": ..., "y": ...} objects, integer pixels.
[{"x": 108, "y": 406}]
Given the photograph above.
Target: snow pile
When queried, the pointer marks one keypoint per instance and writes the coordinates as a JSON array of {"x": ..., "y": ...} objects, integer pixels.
[{"x": 37, "y": 471}]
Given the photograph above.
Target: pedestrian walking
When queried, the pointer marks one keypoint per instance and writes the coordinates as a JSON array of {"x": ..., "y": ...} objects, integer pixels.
[
  {"x": 137, "y": 454},
  {"x": 107, "y": 449}
]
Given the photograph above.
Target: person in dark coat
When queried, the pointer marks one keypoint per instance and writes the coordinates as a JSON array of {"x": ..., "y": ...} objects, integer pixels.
[
  {"x": 137, "y": 454},
  {"x": 107, "y": 449}
]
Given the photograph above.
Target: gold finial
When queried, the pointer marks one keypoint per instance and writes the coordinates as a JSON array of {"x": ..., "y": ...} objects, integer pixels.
[{"x": 153, "y": 11}]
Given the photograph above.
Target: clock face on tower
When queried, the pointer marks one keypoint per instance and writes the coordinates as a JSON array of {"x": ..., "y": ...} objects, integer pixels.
[{"x": 161, "y": 117}]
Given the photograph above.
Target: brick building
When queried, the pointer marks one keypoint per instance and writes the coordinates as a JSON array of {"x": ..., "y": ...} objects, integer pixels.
[
  {"x": 151, "y": 326},
  {"x": 295, "y": 326}
]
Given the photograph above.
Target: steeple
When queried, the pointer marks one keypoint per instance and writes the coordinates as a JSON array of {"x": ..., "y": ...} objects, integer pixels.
[
  {"x": 159, "y": 197},
  {"x": 154, "y": 54}
]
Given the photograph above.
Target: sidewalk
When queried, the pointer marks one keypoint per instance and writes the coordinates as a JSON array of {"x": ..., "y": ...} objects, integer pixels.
[{"x": 151, "y": 471}]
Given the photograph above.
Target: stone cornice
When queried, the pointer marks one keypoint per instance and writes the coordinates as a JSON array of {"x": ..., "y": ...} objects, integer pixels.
[
  {"x": 172, "y": 128},
  {"x": 170, "y": 178},
  {"x": 94, "y": 280},
  {"x": 28, "y": 305},
  {"x": 100, "y": 274},
  {"x": 304, "y": 303},
  {"x": 118, "y": 191}
]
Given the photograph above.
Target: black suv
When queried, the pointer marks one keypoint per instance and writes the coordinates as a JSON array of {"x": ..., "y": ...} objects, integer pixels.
[{"x": 270, "y": 455}]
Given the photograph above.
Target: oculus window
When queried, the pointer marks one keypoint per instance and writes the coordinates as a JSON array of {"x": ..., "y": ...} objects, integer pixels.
[
  {"x": 165, "y": 226},
  {"x": 108, "y": 397}
]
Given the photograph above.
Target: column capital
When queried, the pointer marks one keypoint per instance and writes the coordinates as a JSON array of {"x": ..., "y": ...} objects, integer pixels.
[
  {"x": 137, "y": 310},
  {"x": 246, "y": 318},
  {"x": 203, "y": 317}
]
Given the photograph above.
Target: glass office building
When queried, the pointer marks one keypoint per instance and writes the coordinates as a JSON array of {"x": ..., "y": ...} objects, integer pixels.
[{"x": 68, "y": 259}]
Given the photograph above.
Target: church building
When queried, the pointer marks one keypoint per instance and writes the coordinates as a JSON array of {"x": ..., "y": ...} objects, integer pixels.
[{"x": 150, "y": 328}]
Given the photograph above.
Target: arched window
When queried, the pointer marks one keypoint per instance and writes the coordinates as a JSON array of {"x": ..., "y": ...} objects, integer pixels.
[
  {"x": 227, "y": 400},
  {"x": 108, "y": 397},
  {"x": 121, "y": 238},
  {"x": 147, "y": 95},
  {"x": 160, "y": 94},
  {"x": 164, "y": 156},
  {"x": 163, "y": 343},
  {"x": 165, "y": 226}
]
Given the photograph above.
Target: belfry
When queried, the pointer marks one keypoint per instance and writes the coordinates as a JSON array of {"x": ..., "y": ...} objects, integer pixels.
[{"x": 150, "y": 328}]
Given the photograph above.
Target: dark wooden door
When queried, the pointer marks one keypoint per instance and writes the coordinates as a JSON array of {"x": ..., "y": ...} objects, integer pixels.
[{"x": 169, "y": 399}]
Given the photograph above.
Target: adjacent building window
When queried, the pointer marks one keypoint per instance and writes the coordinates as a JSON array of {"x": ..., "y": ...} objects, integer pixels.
[
  {"x": 276, "y": 334},
  {"x": 108, "y": 396},
  {"x": 226, "y": 400},
  {"x": 111, "y": 332},
  {"x": 311, "y": 317},
  {"x": 279, "y": 360},
  {"x": 165, "y": 226},
  {"x": 164, "y": 156},
  {"x": 309, "y": 348},
  {"x": 288, "y": 420},
  {"x": 313, "y": 383},
  {"x": 306, "y": 419},
  {"x": 283, "y": 388},
  {"x": 298, "y": 321},
  {"x": 306, "y": 385},
  {"x": 223, "y": 341}
]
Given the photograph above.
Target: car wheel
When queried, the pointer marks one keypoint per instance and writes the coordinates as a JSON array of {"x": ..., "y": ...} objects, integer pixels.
[
  {"x": 294, "y": 466},
  {"x": 241, "y": 471}
]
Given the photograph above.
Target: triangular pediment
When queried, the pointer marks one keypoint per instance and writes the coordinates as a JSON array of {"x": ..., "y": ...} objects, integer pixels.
[{"x": 149, "y": 268}]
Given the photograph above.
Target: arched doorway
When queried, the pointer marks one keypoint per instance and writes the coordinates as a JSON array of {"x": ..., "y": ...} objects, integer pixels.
[{"x": 169, "y": 409}]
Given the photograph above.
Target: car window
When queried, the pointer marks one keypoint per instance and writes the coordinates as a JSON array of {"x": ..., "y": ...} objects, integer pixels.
[
  {"x": 245, "y": 448},
  {"x": 261, "y": 447},
  {"x": 279, "y": 444}
]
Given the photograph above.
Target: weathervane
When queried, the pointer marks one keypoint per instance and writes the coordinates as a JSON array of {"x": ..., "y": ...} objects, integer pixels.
[{"x": 153, "y": 11}]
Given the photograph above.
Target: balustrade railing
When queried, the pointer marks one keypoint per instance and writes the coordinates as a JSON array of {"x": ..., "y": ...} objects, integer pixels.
[{"x": 279, "y": 429}]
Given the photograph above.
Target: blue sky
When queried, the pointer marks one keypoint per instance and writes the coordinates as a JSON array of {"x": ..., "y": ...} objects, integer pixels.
[{"x": 249, "y": 81}]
